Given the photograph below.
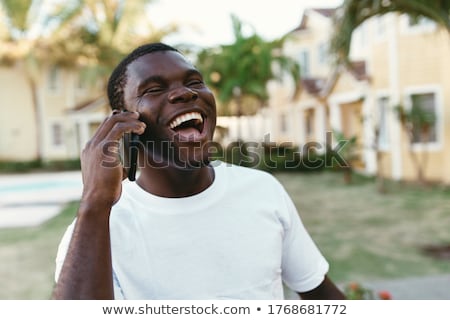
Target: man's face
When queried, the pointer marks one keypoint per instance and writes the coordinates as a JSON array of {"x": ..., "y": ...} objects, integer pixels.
[{"x": 177, "y": 106}]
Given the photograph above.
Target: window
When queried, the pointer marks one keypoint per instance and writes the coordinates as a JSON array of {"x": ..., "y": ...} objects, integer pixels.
[
  {"x": 81, "y": 82},
  {"x": 57, "y": 134},
  {"x": 309, "y": 122},
  {"x": 423, "y": 115},
  {"x": 381, "y": 25},
  {"x": 363, "y": 35},
  {"x": 383, "y": 122},
  {"x": 322, "y": 53},
  {"x": 53, "y": 79},
  {"x": 304, "y": 63}
]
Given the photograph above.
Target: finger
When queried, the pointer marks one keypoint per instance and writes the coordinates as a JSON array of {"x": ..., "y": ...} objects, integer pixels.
[
  {"x": 102, "y": 129},
  {"x": 119, "y": 128},
  {"x": 116, "y": 121}
]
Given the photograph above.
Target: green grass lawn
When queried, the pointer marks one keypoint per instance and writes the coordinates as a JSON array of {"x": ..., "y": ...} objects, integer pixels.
[
  {"x": 364, "y": 235},
  {"x": 27, "y": 257}
]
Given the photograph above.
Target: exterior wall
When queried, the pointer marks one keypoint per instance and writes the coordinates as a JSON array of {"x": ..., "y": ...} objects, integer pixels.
[
  {"x": 429, "y": 161},
  {"x": 17, "y": 123},
  {"x": 60, "y": 97},
  {"x": 314, "y": 39},
  {"x": 385, "y": 164},
  {"x": 421, "y": 71},
  {"x": 351, "y": 117},
  {"x": 345, "y": 84},
  {"x": 445, "y": 80},
  {"x": 311, "y": 120},
  {"x": 380, "y": 57},
  {"x": 57, "y": 94},
  {"x": 309, "y": 117},
  {"x": 251, "y": 128},
  {"x": 82, "y": 125},
  {"x": 346, "y": 115},
  {"x": 400, "y": 60},
  {"x": 407, "y": 60}
]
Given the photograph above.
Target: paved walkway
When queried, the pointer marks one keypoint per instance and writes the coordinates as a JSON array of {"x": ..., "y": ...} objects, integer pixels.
[
  {"x": 30, "y": 199},
  {"x": 436, "y": 287}
]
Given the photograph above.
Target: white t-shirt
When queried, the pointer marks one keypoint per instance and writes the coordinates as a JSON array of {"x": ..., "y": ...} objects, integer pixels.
[{"x": 238, "y": 239}]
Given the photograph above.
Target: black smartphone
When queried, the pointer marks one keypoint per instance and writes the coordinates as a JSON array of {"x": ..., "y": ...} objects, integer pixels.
[
  {"x": 130, "y": 147},
  {"x": 129, "y": 154},
  {"x": 133, "y": 151}
]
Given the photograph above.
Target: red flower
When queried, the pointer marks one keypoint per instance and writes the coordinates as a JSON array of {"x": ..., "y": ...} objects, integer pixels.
[
  {"x": 385, "y": 295},
  {"x": 353, "y": 286}
]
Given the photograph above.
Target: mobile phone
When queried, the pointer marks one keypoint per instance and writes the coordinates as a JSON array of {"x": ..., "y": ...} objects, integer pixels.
[
  {"x": 130, "y": 149},
  {"x": 133, "y": 150}
]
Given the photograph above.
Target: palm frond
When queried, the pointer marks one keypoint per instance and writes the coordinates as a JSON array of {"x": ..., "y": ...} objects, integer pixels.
[{"x": 354, "y": 12}]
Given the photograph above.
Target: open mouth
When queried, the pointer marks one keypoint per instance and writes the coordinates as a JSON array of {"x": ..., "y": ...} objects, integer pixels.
[{"x": 188, "y": 124}]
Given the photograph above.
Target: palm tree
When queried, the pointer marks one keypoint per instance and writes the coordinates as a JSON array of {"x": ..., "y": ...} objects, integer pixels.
[
  {"x": 239, "y": 72},
  {"x": 105, "y": 31},
  {"x": 24, "y": 39},
  {"x": 354, "y": 12},
  {"x": 89, "y": 34}
]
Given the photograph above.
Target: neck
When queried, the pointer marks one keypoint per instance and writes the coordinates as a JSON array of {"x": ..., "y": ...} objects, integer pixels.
[{"x": 175, "y": 183}]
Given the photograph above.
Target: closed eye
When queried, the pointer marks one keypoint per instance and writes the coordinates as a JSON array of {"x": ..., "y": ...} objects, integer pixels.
[
  {"x": 152, "y": 90},
  {"x": 195, "y": 83}
]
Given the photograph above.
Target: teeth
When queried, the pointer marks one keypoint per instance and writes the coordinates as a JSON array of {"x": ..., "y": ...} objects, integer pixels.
[{"x": 185, "y": 117}]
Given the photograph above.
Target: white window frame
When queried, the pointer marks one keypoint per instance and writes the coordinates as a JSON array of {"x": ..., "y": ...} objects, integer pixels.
[
  {"x": 53, "y": 124},
  {"x": 322, "y": 53},
  {"x": 304, "y": 110},
  {"x": 364, "y": 36},
  {"x": 54, "y": 80},
  {"x": 380, "y": 26},
  {"x": 437, "y": 91},
  {"x": 386, "y": 145},
  {"x": 284, "y": 123},
  {"x": 305, "y": 52}
]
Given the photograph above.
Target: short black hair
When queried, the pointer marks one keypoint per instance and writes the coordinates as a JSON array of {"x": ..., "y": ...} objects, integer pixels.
[{"x": 118, "y": 78}]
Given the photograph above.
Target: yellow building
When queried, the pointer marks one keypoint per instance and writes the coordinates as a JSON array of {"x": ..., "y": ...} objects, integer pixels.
[
  {"x": 396, "y": 61},
  {"x": 63, "y": 129}
]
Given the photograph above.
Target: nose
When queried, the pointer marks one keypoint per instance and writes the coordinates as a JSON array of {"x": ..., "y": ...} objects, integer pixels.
[{"x": 182, "y": 94}]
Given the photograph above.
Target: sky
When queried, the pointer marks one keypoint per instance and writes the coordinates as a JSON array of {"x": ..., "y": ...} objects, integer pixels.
[{"x": 207, "y": 23}]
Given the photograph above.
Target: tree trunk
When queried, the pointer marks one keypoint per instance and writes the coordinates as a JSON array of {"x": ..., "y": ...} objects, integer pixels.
[
  {"x": 381, "y": 185},
  {"x": 38, "y": 118},
  {"x": 348, "y": 174}
]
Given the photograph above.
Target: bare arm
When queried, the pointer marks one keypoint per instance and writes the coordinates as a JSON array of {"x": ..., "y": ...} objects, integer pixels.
[
  {"x": 327, "y": 290},
  {"x": 87, "y": 269}
]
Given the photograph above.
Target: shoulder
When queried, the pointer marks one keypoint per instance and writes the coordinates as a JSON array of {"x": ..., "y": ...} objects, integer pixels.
[
  {"x": 245, "y": 173},
  {"x": 251, "y": 181}
]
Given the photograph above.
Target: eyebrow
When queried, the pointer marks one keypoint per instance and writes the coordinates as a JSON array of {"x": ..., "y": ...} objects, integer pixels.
[
  {"x": 160, "y": 79},
  {"x": 193, "y": 72},
  {"x": 146, "y": 81}
]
